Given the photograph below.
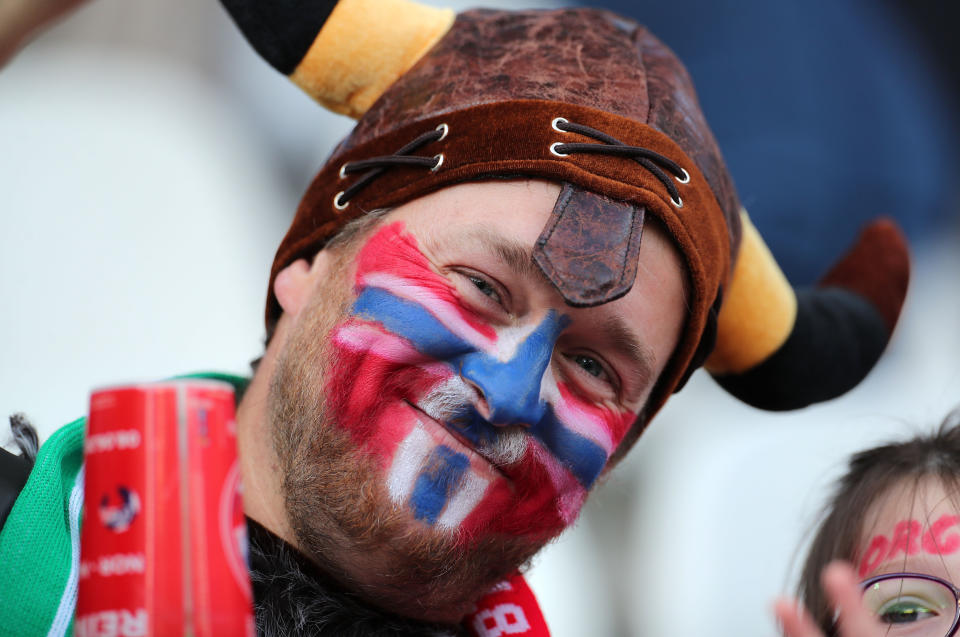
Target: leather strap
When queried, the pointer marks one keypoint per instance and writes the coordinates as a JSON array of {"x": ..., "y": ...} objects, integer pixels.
[{"x": 590, "y": 247}]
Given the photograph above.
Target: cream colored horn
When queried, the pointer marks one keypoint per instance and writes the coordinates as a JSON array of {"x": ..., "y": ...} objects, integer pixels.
[{"x": 364, "y": 47}]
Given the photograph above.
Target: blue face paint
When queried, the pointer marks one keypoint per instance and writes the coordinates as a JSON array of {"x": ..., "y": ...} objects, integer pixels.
[
  {"x": 584, "y": 457},
  {"x": 511, "y": 388},
  {"x": 411, "y": 321},
  {"x": 441, "y": 475}
]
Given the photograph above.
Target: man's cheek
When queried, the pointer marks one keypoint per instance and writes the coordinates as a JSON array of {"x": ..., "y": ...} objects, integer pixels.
[
  {"x": 580, "y": 435},
  {"x": 372, "y": 378},
  {"x": 391, "y": 263},
  {"x": 604, "y": 426}
]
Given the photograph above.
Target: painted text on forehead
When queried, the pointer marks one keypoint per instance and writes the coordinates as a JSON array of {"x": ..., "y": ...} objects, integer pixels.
[
  {"x": 413, "y": 344},
  {"x": 937, "y": 537}
]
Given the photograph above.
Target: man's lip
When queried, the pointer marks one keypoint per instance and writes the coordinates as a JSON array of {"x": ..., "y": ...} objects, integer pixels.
[{"x": 460, "y": 438}]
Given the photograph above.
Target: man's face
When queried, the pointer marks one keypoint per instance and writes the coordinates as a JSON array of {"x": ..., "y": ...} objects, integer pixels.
[{"x": 471, "y": 402}]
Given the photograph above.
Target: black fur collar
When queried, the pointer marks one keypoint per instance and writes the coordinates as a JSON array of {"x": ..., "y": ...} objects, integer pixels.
[{"x": 291, "y": 597}]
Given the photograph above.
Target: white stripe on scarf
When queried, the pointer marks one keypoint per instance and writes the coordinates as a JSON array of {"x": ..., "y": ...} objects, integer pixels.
[{"x": 68, "y": 601}]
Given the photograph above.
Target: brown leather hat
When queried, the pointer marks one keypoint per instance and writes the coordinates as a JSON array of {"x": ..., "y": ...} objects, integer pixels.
[{"x": 595, "y": 102}]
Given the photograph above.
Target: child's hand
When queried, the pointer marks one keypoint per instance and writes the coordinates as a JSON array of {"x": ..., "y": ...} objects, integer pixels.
[{"x": 843, "y": 590}]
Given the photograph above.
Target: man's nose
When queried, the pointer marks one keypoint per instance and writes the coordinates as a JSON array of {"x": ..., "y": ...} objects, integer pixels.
[{"x": 511, "y": 388}]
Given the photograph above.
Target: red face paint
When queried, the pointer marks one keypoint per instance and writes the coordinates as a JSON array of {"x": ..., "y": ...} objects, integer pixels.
[
  {"x": 393, "y": 257},
  {"x": 936, "y": 542},
  {"x": 906, "y": 538},
  {"x": 876, "y": 552},
  {"x": 909, "y": 538},
  {"x": 401, "y": 346},
  {"x": 605, "y": 426}
]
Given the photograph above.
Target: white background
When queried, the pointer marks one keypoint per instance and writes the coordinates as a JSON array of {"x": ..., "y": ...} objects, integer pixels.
[{"x": 150, "y": 165}]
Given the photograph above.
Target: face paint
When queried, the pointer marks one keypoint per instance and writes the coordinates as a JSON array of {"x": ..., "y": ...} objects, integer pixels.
[
  {"x": 909, "y": 538},
  {"x": 936, "y": 542},
  {"x": 876, "y": 552},
  {"x": 411, "y": 357},
  {"x": 906, "y": 538}
]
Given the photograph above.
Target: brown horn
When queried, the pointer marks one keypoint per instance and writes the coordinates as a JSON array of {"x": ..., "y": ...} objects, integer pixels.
[{"x": 782, "y": 350}]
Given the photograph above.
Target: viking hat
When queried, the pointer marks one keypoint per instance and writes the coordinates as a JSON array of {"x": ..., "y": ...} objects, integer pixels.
[{"x": 593, "y": 101}]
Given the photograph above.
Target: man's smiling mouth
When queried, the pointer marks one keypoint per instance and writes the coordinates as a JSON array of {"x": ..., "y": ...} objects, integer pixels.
[{"x": 459, "y": 440}]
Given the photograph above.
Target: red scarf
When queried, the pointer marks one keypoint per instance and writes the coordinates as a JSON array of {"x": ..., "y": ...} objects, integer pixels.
[{"x": 509, "y": 609}]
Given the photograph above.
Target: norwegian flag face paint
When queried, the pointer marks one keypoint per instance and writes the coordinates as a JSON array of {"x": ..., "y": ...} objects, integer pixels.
[{"x": 413, "y": 360}]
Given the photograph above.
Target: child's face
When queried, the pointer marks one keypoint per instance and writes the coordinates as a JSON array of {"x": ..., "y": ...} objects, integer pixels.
[{"x": 914, "y": 529}]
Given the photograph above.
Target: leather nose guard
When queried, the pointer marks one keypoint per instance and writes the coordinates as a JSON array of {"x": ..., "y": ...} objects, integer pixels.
[{"x": 590, "y": 247}]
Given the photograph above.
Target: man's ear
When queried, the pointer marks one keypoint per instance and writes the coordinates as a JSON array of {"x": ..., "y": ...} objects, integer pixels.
[{"x": 295, "y": 283}]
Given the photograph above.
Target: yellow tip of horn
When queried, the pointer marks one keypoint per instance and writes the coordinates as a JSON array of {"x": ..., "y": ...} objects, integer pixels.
[
  {"x": 363, "y": 48},
  {"x": 759, "y": 308}
]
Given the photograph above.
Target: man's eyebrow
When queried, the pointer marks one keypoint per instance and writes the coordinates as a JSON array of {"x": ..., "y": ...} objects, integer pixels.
[
  {"x": 514, "y": 254},
  {"x": 640, "y": 357}
]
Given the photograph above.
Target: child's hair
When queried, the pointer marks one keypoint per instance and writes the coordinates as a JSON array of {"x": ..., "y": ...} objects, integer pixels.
[{"x": 871, "y": 475}]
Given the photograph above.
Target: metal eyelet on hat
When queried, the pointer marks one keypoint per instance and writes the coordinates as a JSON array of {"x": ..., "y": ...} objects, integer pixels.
[
  {"x": 439, "y": 163},
  {"x": 553, "y": 149},
  {"x": 677, "y": 203},
  {"x": 686, "y": 177},
  {"x": 444, "y": 129},
  {"x": 343, "y": 173},
  {"x": 559, "y": 120},
  {"x": 336, "y": 201}
]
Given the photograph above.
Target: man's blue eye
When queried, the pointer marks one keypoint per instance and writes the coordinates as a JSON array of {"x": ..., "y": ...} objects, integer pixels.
[
  {"x": 485, "y": 288},
  {"x": 589, "y": 365}
]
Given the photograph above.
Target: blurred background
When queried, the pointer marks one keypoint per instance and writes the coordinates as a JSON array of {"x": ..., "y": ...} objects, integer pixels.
[{"x": 151, "y": 162}]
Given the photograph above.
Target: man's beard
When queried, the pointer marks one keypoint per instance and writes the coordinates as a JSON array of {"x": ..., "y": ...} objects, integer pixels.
[{"x": 335, "y": 494}]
